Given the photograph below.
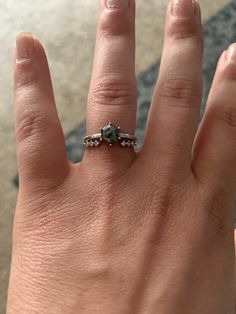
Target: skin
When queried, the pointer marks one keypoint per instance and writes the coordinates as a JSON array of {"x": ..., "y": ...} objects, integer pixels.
[{"x": 125, "y": 231}]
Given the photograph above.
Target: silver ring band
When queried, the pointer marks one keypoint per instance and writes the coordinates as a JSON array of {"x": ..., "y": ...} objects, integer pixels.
[{"x": 110, "y": 134}]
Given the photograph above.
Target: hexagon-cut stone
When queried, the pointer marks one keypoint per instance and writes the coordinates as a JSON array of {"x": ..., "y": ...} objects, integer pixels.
[{"x": 110, "y": 134}]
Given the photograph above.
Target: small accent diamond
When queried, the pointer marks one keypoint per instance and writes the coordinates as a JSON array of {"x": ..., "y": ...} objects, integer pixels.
[{"x": 123, "y": 143}]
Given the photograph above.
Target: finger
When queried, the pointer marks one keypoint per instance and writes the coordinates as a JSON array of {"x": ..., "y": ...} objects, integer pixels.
[
  {"x": 235, "y": 260},
  {"x": 176, "y": 102},
  {"x": 112, "y": 95},
  {"x": 41, "y": 151},
  {"x": 214, "y": 151},
  {"x": 235, "y": 241}
]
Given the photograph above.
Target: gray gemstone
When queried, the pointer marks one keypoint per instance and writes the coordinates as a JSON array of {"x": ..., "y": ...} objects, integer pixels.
[{"x": 110, "y": 134}]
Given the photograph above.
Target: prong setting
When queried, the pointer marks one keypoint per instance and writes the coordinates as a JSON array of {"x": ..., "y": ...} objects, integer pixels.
[{"x": 111, "y": 135}]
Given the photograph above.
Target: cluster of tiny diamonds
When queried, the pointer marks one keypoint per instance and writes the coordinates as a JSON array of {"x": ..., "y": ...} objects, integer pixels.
[
  {"x": 92, "y": 143},
  {"x": 124, "y": 143},
  {"x": 128, "y": 143}
]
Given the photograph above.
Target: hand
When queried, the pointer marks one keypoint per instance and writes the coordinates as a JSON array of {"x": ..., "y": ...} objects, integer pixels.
[{"x": 125, "y": 232}]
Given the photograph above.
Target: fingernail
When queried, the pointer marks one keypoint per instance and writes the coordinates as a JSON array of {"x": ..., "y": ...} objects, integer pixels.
[
  {"x": 25, "y": 44},
  {"x": 183, "y": 8},
  {"x": 232, "y": 52},
  {"x": 117, "y": 4}
]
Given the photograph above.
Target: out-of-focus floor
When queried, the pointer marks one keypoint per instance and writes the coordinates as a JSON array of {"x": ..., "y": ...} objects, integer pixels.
[{"x": 67, "y": 29}]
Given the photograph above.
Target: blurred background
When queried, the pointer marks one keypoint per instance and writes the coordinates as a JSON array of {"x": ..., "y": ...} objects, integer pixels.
[{"x": 68, "y": 29}]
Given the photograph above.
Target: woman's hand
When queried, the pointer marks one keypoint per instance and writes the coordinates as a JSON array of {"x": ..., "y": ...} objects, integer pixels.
[{"x": 125, "y": 232}]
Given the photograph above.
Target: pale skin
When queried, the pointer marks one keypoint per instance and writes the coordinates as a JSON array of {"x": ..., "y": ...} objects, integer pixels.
[{"x": 124, "y": 231}]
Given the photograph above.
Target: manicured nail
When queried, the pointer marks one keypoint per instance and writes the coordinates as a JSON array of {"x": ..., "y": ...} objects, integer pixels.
[
  {"x": 25, "y": 44},
  {"x": 232, "y": 52},
  {"x": 117, "y": 4},
  {"x": 183, "y": 8}
]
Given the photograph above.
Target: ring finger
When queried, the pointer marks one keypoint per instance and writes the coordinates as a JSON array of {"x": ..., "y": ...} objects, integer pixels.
[{"x": 112, "y": 95}]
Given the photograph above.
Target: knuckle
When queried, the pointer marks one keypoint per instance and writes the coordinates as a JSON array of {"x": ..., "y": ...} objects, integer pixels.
[
  {"x": 179, "y": 92},
  {"x": 114, "y": 23},
  {"x": 226, "y": 115},
  {"x": 113, "y": 93},
  {"x": 228, "y": 71},
  {"x": 183, "y": 29},
  {"x": 32, "y": 124}
]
